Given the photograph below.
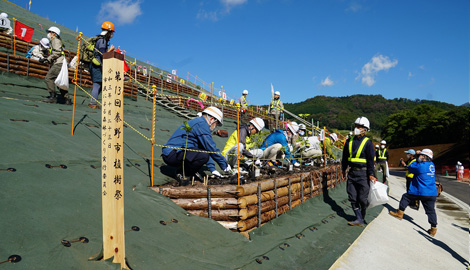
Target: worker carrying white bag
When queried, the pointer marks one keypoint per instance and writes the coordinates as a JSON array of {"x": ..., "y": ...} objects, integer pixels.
[
  {"x": 377, "y": 194},
  {"x": 62, "y": 80}
]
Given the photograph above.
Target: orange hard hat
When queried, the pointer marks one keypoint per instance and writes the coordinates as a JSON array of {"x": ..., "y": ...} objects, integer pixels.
[{"x": 109, "y": 26}]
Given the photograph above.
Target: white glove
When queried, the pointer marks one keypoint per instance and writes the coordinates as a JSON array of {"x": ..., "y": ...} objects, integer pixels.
[
  {"x": 257, "y": 162},
  {"x": 216, "y": 173},
  {"x": 296, "y": 164},
  {"x": 228, "y": 169}
]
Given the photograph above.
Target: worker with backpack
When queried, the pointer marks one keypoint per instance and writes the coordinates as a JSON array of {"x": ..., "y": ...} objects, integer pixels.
[{"x": 91, "y": 55}]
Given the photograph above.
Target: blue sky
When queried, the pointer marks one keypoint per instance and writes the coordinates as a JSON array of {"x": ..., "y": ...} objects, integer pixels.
[{"x": 410, "y": 49}]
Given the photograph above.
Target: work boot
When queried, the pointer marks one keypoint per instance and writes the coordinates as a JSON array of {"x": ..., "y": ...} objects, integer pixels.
[
  {"x": 398, "y": 214},
  {"x": 359, "y": 220},
  {"x": 363, "y": 214},
  {"x": 93, "y": 106},
  {"x": 432, "y": 231},
  {"x": 51, "y": 98}
]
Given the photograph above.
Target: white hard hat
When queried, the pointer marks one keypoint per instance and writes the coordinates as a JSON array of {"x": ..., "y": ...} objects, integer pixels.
[
  {"x": 293, "y": 127},
  {"x": 277, "y": 93},
  {"x": 459, "y": 163},
  {"x": 427, "y": 152},
  {"x": 383, "y": 142},
  {"x": 3, "y": 15},
  {"x": 334, "y": 136},
  {"x": 54, "y": 30},
  {"x": 45, "y": 43},
  {"x": 377, "y": 146},
  {"x": 362, "y": 121},
  {"x": 245, "y": 92},
  {"x": 302, "y": 127},
  {"x": 258, "y": 123},
  {"x": 215, "y": 112}
]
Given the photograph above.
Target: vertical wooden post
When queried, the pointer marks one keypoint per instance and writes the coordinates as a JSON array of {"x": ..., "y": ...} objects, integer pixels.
[{"x": 112, "y": 158}]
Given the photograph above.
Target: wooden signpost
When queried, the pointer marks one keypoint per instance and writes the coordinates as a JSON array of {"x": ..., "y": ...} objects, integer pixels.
[{"x": 112, "y": 163}]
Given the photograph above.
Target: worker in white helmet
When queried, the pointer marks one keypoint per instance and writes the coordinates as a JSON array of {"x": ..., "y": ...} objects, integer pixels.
[
  {"x": 358, "y": 157},
  {"x": 381, "y": 160},
  {"x": 55, "y": 60},
  {"x": 183, "y": 148},
  {"x": 328, "y": 144},
  {"x": 39, "y": 51},
  {"x": 276, "y": 107},
  {"x": 5, "y": 24},
  {"x": 244, "y": 144},
  {"x": 422, "y": 188},
  {"x": 244, "y": 107},
  {"x": 273, "y": 144}
]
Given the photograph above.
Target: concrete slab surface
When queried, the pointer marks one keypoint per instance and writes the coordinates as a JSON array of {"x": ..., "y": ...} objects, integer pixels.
[{"x": 389, "y": 243}]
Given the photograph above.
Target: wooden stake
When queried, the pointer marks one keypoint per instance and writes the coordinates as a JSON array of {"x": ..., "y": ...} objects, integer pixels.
[{"x": 112, "y": 158}]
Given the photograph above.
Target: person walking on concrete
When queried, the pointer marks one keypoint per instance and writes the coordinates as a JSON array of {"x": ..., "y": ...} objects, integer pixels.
[
  {"x": 243, "y": 145},
  {"x": 55, "y": 59},
  {"x": 422, "y": 188},
  {"x": 275, "y": 108},
  {"x": 96, "y": 65},
  {"x": 410, "y": 154},
  {"x": 197, "y": 137},
  {"x": 382, "y": 160},
  {"x": 358, "y": 158}
]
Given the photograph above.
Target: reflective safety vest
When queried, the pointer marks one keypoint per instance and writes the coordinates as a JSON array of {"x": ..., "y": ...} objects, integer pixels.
[
  {"x": 275, "y": 104},
  {"x": 408, "y": 174},
  {"x": 382, "y": 154},
  {"x": 357, "y": 157},
  {"x": 243, "y": 102}
]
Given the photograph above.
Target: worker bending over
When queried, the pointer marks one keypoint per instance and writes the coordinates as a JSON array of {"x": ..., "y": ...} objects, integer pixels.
[
  {"x": 183, "y": 147},
  {"x": 273, "y": 145},
  {"x": 242, "y": 146}
]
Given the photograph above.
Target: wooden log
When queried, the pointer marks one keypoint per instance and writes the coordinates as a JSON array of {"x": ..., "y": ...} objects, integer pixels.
[
  {"x": 201, "y": 203},
  {"x": 247, "y": 224},
  {"x": 252, "y": 210},
  {"x": 231, "y": 225},
  {"x": 217, "y": 214},
  {"x": 228, "y": 191},
  {"x": 267, "y": 195},
  {"x": 269, "y": 184}
]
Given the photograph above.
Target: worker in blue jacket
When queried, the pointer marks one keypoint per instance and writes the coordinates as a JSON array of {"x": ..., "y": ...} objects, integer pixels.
[
  {"x": 273, "y": 144},
  {"x": 423, "y": 188},
  {"x": 197, "y": 137}
]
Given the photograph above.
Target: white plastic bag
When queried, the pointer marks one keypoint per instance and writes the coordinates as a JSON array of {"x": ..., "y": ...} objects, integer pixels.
[
  {"x": 377, "y": 194},
  {"x": 62, "y": 80},
  {"x": 73, "y": 63}
]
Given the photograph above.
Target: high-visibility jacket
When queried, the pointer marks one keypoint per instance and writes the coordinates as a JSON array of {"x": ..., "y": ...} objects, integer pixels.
[
  {"x": 408, "y": 174},
  {"x": 276, "y": 105},
  {"x": 243, "y": 102},
  {"x": 358, "y": 157},
  {"x": 327, "y": 146},
  {"x": 244, "y": 139},
  {"x": 382, "y": 155}
]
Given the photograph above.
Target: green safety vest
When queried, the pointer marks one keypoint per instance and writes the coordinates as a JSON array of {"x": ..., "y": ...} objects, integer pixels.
[
  {"x": 357, "y": 158},
  {"x": 382, "y": 154},
  {"x": 243, "y": 101}
]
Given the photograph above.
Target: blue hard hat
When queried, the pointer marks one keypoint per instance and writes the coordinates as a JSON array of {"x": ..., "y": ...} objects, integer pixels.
[{"x": 411, "y": 151}]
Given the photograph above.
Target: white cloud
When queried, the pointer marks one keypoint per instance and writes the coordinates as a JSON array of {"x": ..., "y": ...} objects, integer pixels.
[
  {"x": 227, "y": 6},
  {"x": 422, "y": 67},
  {"x": 354, "y": 7},
  {"x": 327, "y": 82},
  {"x": 120, "y": 11},
  {"x": 376, "y": 64},
  {"x": 410, "y": 75}
]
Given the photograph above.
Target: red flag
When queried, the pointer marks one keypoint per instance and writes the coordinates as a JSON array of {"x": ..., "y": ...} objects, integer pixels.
[
  {"x": 126, "y": 67},
  {"x": 23, "y": 31}
]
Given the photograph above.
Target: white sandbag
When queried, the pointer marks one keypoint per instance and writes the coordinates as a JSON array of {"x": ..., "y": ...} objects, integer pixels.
[
  {"x": 377, "y": 194},
  {"x": 62, "y": 80}
]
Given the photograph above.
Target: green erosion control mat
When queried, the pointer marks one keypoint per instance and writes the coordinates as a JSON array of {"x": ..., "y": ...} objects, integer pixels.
[{"x": 41, "y": 206}]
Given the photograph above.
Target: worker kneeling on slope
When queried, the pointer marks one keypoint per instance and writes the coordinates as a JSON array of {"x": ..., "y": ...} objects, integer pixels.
[
  {"x": 273, "y": 145},
  {"x": 358, "y": 157},
  {"x": 235, "y": 145},
  {"x": 422, "y": 187},
  {"x": 188, "y": 140}
]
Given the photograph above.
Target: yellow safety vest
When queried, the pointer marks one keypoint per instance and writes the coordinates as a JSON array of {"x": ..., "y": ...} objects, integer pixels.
[
  {"x": 275, "y": 104},
  {"x": 243, "y": 101},
  {"x": 357, "y": 158},
  {"x": 408, "y": 174},
  {"x": 382, "y": 154}
]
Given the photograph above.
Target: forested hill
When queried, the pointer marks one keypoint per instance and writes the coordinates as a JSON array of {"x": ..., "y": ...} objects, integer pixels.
[{"x": 340, "y": 112}]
